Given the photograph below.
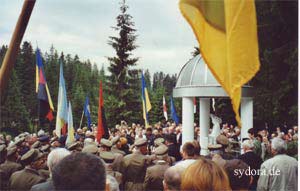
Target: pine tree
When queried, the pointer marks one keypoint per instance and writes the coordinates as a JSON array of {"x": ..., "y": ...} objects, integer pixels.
[{"x": 120, "y": 66}]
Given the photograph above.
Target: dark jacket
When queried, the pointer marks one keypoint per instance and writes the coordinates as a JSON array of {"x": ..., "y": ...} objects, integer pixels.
[
  {"x": 45, "y": 186},
  {"x": 174, "y": 151}
]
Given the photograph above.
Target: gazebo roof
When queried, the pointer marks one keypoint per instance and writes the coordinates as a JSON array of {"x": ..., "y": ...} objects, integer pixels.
[{"x": 196, "y": 80}]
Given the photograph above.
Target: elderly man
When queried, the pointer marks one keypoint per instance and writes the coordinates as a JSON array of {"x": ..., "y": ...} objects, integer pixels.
[
  {"x": 279, "y": 172},
  {"x": 251, "y": 159},
  {"x": 133, "y": 166},
  {"x": 53, "y": 159}
]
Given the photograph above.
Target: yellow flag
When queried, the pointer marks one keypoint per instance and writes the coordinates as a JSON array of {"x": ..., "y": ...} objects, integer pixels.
[{"x": 227, "y": 34}]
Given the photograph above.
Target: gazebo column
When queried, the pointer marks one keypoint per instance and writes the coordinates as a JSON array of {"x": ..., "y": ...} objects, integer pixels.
[
  {"x": 187, "y": 119},
  {"x": 204, "y": 124},
  {"x": 247, "y": 116}
]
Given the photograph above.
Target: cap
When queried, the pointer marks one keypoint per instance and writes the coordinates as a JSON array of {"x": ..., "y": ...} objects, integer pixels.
[
  {"x": 115, "y": 140},
  {"x": 19, "y": 141},
  {"x": 140, "y": 142},
  {"x": 161, "y": 150},
  {"x": 108, "y": 157},
  {"x": 31, "y": 156},
  {"x": 159, "y": 141},
  {"x": 223, "y": 140},
  {"x": 45, "y": 148},
  {"x": 11, "y": 150},
  {"x": 72, "y": 146},
  {"x": 92, "y": 149},
  {"x": 106, "y": 143},
  {"x": 44, "y": 138},
  {"x": 214, "y": 147},
  {"x": 2, "y": 148},
  {"x": 36, "y": 144}
]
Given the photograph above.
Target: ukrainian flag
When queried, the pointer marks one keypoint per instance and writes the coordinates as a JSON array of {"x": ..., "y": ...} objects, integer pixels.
[
  {"x": 146, "y": 101},
  {"x": 227, "y": 34}
]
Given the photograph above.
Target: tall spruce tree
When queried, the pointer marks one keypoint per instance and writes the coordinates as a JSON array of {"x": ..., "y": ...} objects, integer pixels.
[{"x": 121, "y": 90}]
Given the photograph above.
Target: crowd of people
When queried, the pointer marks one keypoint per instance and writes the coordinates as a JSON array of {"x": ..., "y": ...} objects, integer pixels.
[{"x": 153, "y": 158}]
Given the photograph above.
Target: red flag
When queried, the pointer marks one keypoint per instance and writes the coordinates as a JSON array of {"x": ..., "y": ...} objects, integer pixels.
[{"x": 102, "y": 130}]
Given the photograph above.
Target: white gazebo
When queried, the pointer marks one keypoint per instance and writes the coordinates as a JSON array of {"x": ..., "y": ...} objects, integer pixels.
[{"x": 196, "y": 80}]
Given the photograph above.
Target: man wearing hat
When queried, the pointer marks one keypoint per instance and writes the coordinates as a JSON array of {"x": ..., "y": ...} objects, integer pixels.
[
  {"x": 91, "y": 149},
  {"x": 223, "y": 140},
  {"x": 9, "y": 166},
  {"x": 134, "y": 166},
  {"x": 108, "y": 158},
  {"x": 155, "y": 174},
  {"x": 26, "y": 178},
  {"x": 105, "y": 145}
]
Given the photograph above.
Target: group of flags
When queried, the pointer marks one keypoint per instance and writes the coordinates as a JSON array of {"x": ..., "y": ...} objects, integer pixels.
[{"x": 64, "y": 118}]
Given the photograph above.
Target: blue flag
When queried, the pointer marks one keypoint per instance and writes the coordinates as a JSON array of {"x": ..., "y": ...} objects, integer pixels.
[
  {"x": 173, "y": 112},
  {"x": 87, "y": 112}
]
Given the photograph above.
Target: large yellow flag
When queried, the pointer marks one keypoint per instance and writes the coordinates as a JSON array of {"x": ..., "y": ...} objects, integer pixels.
[{"x": 227, "y": 34}]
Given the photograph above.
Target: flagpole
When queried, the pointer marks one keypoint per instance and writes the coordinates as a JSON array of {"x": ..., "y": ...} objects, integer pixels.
[{"x": 81, "y": 119}]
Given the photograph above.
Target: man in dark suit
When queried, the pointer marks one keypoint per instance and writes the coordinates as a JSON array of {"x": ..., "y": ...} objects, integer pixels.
[
  {"x": 250, "y": 158},
  {"x": 173, "y": 148}
]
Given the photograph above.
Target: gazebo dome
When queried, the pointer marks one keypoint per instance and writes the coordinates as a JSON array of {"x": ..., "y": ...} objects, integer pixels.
[{"x": 196, "y": 80}]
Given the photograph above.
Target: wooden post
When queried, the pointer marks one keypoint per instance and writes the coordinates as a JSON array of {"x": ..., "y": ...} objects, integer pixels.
[{"x": 14, "y": 46}]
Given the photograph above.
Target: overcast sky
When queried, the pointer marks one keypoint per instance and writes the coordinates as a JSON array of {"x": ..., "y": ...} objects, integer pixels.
[{"x": 82, "y": 27}]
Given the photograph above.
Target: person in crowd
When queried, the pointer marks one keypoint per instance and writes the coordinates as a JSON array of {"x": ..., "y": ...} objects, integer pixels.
[
  {"x": 256, "y": 142},
  {"x": 29, "y": 176},
  {"x": 238, "y": 182},
  {"x": 79, "y": 171},
  {"x": 251, "y": 159},
  {"x": 173, "y": 148},
  {"x": 223, "y": 151},
  {"x": 108, "y": 158},
  {"x": 9, "y": 166},
  {"x": 172, "y": 178},
  {"x": 188, "y": 155},
  {"x": 53, "y": 159},
  {"x": 111, "y": 184},
  {"x": 209, "y": 177},
  {"x": 105, "y": 145},
  {"x": 133, "y": 166},
  {"x": 279, "y": 172},
  {"x": 155, "y": 174}
]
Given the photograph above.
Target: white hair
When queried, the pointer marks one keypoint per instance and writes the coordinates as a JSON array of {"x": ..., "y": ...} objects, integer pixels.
[
  {"x": 55, "y": 156},
  {"x": 112, "y": 182},
  {"x": 278, "y": 145},
  {"x": 247, "y": 144},
  {"x": 40, "y": 133}
]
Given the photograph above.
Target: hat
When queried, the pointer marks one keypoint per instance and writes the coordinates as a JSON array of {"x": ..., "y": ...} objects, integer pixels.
[
  {"x": 11, "y": 150},
  {"x": 108, "y": 157},
  {"x": 45, "y": 148},
  {"x": 161, "y": 150},
  {"x": 72, "y": 146},
  {"x": 159, "y": 141},
  {"x": 31, "y": 156},
  {"x": 223, "y": 140},
  {"x": 214, "y": 147},
  {"x": 19, "y": 141},
  {"x": 44, "y": 138},
  {"x": 106, "y": 143},
  {"x": 140, "y": 142},
  {"x": 36, "y": 145},
  {"x": 92, "y": 149},
  {"x": 2, "y": 148},
  {"x": 115, "y": 140}
]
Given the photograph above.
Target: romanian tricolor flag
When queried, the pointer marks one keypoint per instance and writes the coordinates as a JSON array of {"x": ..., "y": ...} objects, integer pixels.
[
  {"x": 42, "y": 90},
  {"x": 102, "y": 131},
  {"x": 227, "y": 34},
  {"x": 146, "y": 102},
  {"x": 62, "y": 106}
]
